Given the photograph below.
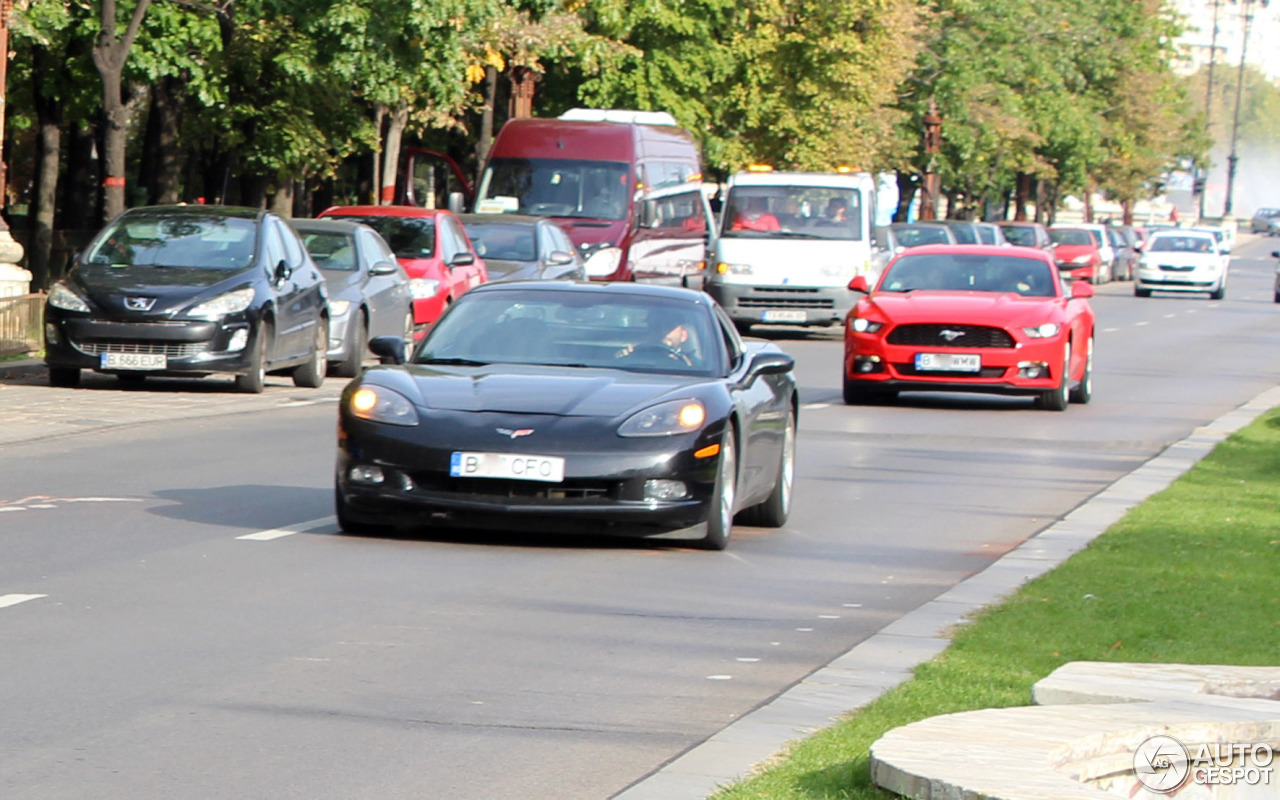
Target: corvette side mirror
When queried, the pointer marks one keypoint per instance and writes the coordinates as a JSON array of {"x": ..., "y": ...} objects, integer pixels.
[{"x": 388, "y": 349}]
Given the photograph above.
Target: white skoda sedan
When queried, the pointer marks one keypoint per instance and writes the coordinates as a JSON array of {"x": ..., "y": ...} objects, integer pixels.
[{"x": 1181, "y": 261}]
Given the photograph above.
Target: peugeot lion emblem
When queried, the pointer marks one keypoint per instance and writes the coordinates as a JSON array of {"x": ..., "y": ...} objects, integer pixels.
[
  {"x": 950, "y": 335},
  {"x": 515, "y": 434},
  {"x": 139, "y": 303}
]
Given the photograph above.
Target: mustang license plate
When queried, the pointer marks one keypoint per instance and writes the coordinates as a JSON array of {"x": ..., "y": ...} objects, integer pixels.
[
  {"x": 133, "y": 361},
  {"x": 512, "y": 466},
  {"x": 783, "y": 316},
  {"x": 948, "y": 362}
]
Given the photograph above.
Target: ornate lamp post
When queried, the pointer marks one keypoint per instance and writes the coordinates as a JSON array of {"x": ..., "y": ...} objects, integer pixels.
[
  {"x": 930, "y": 185},
  {"x": 1246, "y": 12}
]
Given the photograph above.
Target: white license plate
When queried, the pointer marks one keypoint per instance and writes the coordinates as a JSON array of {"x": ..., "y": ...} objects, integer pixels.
[
  {"x": 512, "y": 466},
  {"x": 784, "y": 316},
  {"x": 948, "y": 362},
  {"x": 133, "y": 361}
]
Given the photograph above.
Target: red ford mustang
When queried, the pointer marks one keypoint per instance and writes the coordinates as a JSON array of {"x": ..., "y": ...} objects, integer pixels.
[{"x": 965, "y": 318}]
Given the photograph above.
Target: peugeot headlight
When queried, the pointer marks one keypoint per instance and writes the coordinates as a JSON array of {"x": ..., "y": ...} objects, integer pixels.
[
  {"x": 1045, "y": 331},
  {"x": 864, "y": 325},
  {"x": 60, "y": 296},
  {"x": 222, "y": 305},
  {"x": 603, "y": 262},
  {"x": 665, "y": 419},
  {"x": 423, "y": 288},
  {"x": 1084, "y": 259},
  {"x": 339, "y": 307},
  {"x": 380, "y": 404}
]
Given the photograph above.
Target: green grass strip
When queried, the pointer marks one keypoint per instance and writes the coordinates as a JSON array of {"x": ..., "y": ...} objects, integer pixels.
[{"x": 1189, "y": 576}]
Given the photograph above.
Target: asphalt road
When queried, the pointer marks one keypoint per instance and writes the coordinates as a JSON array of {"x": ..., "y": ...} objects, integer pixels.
[{"x": 151, "y": 650}]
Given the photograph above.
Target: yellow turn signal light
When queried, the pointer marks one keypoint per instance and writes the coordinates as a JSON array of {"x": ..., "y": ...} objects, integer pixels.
[{"x": 707, "y": 452}]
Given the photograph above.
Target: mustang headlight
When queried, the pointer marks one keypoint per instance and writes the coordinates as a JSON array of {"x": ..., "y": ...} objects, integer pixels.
[
  {"x": 62, "y": 297},
  {"x": 380, "y": 404},
  {"x": 221, "y": 306},
  {"x": 665, "y": 419},
  {"x": 423, "y": 288},
  {"x": 864, "y": 325},
  {"x": 1045, "y": 331}
]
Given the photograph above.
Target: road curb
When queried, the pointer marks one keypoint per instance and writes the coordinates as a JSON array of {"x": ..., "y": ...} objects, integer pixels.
[{"x": 888, "y": 657}]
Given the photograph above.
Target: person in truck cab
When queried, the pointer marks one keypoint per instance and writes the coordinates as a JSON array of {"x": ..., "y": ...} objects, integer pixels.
[{"x": 756, "y": 217}]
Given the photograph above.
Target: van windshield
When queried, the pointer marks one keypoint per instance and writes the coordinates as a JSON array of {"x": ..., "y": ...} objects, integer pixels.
[
  {"x": 816, "y": 212},
  {"x": 555, "y": 187}
]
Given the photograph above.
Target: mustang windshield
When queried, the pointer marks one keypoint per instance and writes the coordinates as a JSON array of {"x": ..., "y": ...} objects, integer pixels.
[
  {"x": 970, "y": 272},
  {"x": 188, "y": 240},
  {"x": 573, "y": 329}
]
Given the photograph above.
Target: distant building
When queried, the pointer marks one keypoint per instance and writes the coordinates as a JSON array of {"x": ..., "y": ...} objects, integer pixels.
[{"x": 1196, "y": 44}]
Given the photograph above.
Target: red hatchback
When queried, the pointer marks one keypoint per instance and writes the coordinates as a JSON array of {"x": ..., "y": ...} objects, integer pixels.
[
  {"x": 970, "y": 318},
  {"x": 433, "y": 248},
  {"x": 1077, "y": 254}
]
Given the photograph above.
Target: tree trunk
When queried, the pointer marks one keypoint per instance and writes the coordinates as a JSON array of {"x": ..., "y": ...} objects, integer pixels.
[
  {"x": 282, "y": 199},
  {"x": 391, "y": 154},
  {"x": 81, "y": 193},
  {"x": 109, "y": 55},
  {"x": 1021, "y": 192},
  {"x": 379, "y": 121},
  {"x": 162, "y": 172},
  {"x": 44, "y": 192},
  {"x": 486, "y": 114}
]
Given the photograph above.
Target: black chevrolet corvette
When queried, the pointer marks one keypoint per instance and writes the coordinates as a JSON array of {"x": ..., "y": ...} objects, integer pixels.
[{"x": 572, "y": 407}]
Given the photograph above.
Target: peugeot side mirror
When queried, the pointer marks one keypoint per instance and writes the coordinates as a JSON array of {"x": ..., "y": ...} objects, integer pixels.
[{"x": 282, "y": 272}]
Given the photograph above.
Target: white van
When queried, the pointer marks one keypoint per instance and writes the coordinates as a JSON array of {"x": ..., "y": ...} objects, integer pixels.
[{"x": 789, "y": 244}]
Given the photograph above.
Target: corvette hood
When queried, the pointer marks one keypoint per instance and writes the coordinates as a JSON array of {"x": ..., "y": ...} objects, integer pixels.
[
  {"x": 533, "y": 390},
  {"x": 970, "y": 308}
]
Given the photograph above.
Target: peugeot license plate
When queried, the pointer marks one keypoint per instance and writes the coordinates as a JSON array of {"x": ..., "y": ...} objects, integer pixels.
[
  {"x": 511, "y": 466},
  {"x": 948, "y": 362},
  {"x": 133, "y": 361}
]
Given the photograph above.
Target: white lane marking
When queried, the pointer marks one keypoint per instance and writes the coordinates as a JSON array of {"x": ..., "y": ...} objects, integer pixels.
[
  {"x": 828, "y": 616},
  {"x": 748, "y": 660},
  {"x": 805, "y": 630},
  {"x": 277, "y": 533},
  {"x": 1110, "y": 330},
  {"x": 815, "y": 406},
  {"x": 852, "y": 605},
  {"x": 719, "y": 677},
  {"x": 297, "y": 403},
  {"x": 1140, "y": 324},
  {"x": 7, "y": 600},
  {"x": 1170, "y": 316}
]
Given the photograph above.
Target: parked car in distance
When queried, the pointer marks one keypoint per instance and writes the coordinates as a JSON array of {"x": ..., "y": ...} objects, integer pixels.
[
  {"x": 1076, "y": 253},
  {"x": 1261, "y": 221},
  {"x": 971, "y": 318},
  {"x": 521, "y": 247},
  {"x": 555, "y": 406},
  {"x": 973, "y": 232},
  {"x": 190, "y": 291},
  {"x": 1124, "y": 240},
  {"x": 369, "y": 293},
  {"x": 1106, "y": 271},
  {"x": 1026, "y": 234},
  {"x": 1182, "y": 261},
  {"x": 433, "y": 248},
  {"x": 1276, "y": 284}
]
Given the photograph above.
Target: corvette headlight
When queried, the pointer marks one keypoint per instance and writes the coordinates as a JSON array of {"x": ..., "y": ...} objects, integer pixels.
[
  {"x": 733, "y": 269},
  {"x": 1044, "y": 331},
  {"x": 1085, "y": 259},
  {"x": 62, "y": 297},
  {"x": 339, "y": 307},
  {"x": 603, "y": 262},
  {"x": 864, "y": 325},
  {"x": 221, "y": 306},
  {"x": 380, "y": 404},
  {"x": 665, "y": 419},
  {"x": 423, "y": 288}
]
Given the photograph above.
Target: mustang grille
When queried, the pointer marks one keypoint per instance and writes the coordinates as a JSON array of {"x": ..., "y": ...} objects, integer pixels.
[
  {"x": 931, "y": 335},
  {"x": 169, "y": 349}
]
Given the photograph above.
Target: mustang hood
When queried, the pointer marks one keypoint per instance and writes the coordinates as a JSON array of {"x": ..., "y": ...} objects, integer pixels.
[
  {"x": 540, "y": 390},
  {"x": 973, "y": 308}
]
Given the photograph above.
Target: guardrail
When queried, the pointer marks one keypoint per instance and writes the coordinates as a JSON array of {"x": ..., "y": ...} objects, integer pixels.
[{"x": 21, "y": 321}]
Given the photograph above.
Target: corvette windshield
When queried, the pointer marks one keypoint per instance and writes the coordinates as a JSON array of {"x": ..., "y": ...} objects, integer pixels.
[
  {"x": 574, "y": 329},
  {"x": 970, "y": 272}
]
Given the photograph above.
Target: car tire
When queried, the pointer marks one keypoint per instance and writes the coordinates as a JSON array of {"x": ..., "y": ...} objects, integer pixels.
[
  {"x": 311, "y": 374},
  {"x": 744, "y": 328},
  {"x": 1219, "y": 293},
  {"x": 69, "y": 377},
  {"x": 720, "y": 514},
  {"x": 358, "y": 344},
  {"x": 409, "y": 329},
  {"x": 856, "y": 394},
  {"x": 349, "y": 525},
  {"x": 255, "y": 379},
  {"x": 1137, "y": 292},
  {"x": 131, "y": 379},
  {"x": 774, "y": 510},
  {"x": 1082, "y": 392},
  {"x": 1056, "y": 399},
  {"x": 1278, "y": 297}
]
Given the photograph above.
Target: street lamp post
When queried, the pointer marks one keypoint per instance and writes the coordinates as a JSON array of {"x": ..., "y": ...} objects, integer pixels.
[{"x": 1246, "y": 11}]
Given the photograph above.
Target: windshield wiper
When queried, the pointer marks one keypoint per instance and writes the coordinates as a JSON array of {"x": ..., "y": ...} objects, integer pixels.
[
  {"x": 455, "y": 362},
  {"x": 561, "y": 364}
]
